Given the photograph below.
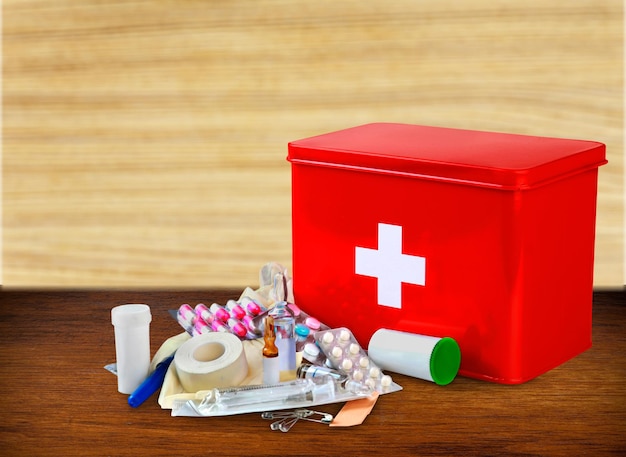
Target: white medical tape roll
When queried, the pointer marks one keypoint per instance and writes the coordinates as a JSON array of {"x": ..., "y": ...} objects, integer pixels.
[{"x": 211, "y": 360}]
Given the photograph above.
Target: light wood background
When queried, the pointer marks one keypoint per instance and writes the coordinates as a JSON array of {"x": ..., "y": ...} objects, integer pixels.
[{"x": 145, "y": 141}]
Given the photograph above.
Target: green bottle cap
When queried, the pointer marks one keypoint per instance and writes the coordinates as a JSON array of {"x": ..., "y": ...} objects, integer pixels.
[{"x": 445, "y": 361}]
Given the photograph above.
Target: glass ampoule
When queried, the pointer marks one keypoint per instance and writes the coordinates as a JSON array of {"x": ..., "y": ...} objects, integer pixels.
[{"x": 271, "y": 362}]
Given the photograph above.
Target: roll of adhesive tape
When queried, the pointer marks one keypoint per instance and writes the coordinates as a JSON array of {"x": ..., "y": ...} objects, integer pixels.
[
  {"x": 211, "y": 360},
  {"x": 425, "y": 357}
]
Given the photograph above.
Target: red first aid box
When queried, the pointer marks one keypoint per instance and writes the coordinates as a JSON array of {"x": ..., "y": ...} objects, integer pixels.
[{"x": 487, "y": 238}]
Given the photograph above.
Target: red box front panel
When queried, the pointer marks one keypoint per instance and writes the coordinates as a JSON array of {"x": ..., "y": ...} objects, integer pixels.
[{"x": 507, "y": 273}]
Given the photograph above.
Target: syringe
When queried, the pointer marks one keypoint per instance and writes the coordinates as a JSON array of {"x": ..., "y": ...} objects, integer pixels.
[{"x": 297, "y": 391}]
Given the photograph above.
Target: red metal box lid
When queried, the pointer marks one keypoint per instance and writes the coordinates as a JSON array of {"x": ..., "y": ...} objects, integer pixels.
[{"x": 500, "y": 160}]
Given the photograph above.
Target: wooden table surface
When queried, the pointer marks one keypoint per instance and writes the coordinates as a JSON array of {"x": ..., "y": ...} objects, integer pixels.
[
  {"x": 144, "y": 141},
  {"x": 59, "y": 400}
]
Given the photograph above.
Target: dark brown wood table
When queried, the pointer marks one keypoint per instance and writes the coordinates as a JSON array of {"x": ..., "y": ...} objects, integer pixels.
[{"x": 59, "y": 400}]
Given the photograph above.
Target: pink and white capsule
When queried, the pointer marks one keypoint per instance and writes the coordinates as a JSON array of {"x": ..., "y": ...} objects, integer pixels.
[
  {"x": 200, "y": 327},
  {"x": 220, "y": 312},
  {"x": 203, "y": 312},
  {"x": 218, "y": 326},
  {"x": 237, "y": 328},
  {"x": 186, "y": 317},
  {"x": 253, "y": 308}
]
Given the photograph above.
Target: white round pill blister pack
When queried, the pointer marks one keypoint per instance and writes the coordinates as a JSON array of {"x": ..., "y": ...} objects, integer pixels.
[{"x": 347, "y": 356}]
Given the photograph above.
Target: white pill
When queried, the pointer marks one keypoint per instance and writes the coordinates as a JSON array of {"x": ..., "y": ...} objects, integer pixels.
[
  {"x": 354, "y": 348},
  {"x": 385, "y": 381},
  {"x": 336, "y": 352},
  {"x": 344, "y": 335},
  {"x": 311, "y": 349},
  {"x": 328, "y": 338},
  {"x": 364, "y": 362},
  {"x": 374, "y": 372},
  {"x": 346, "y": 364},
  {"x": 357, "y": 376}
]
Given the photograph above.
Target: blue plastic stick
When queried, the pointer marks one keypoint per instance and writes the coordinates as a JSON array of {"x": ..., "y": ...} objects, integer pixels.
[{"x": 151, "y": 384}]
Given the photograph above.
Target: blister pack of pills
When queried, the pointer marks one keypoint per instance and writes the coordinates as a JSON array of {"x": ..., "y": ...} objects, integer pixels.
[
  {"x": 236, "y": 317},
  {"x": 347, "y": 356},
  {"x": 244, "y": 318}
]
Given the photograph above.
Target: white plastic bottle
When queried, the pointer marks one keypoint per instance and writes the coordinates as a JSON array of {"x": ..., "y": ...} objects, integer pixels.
[
  {"x": 132, "y": 345},
  {"x": 421, "y": 356}
]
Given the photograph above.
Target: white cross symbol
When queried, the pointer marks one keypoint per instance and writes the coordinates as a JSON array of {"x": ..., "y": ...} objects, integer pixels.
[{"x": 390, "y": 266}]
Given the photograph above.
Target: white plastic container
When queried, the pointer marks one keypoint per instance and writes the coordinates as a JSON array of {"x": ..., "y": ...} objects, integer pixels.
[
  {"x": 421, "y": 356},
  {"x": 132, "y": 345}
]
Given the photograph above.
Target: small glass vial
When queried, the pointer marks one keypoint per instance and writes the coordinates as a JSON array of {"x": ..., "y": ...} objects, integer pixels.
[
  {"x": 271, "y": 367},
  {"x": 284, "y": 326},
  {"x": 308, "y": 371}
]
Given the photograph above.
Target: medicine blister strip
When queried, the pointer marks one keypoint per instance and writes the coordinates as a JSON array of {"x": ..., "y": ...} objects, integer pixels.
[
  {"x": 348, "y": 357},
  {"x": 244, "y": 318},
  {"x": 235, "y": 317}
]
